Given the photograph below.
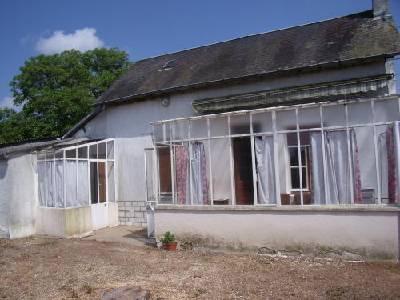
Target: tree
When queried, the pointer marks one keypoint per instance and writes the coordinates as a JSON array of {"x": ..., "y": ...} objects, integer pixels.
[{"x": 55, "y": 91}]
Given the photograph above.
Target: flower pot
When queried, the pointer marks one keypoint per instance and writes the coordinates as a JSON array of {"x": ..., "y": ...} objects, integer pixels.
[{"x": 170, "y": 246}]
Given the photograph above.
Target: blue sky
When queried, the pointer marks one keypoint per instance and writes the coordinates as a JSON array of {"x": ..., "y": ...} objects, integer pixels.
[{"x": 147, "y": 28}]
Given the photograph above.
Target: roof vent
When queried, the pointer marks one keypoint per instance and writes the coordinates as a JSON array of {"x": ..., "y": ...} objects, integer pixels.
[{"x": 381, "y": 8}]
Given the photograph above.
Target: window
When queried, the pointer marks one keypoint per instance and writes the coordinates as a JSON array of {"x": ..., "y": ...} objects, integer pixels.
[
  {"x": 69, "y": 178},
  {"x": 329, "y": 153},
  {"x": 296, "y": 168}
]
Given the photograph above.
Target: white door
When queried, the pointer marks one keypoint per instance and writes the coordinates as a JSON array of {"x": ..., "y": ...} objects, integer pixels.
[{"x": 98, "y": 191}]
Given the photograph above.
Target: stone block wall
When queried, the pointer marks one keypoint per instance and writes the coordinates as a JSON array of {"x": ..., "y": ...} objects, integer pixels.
[{"x": 132, "y": 213}]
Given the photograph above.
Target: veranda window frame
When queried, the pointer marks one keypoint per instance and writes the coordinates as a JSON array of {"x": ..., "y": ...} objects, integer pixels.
[
  {"x": 64, "y": 158},
  {"x": 274, "y": 132}
]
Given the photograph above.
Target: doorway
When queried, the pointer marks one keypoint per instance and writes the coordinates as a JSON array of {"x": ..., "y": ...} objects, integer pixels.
[{"x": 244, "y": 189}]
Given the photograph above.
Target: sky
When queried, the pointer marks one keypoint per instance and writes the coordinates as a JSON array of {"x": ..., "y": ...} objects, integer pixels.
[{"x": 147, "y": 28}]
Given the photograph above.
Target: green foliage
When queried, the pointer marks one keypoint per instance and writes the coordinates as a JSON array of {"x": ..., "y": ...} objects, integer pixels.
[
  {"x": 54, "y": 92},
  {"x": 168, "y": 237}
]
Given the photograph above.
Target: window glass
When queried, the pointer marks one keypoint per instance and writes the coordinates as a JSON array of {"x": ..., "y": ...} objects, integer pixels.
[
  {"x": 82, "y": 152},
  {"x": 309, "y": 117},
  {"x": 101, "y": 150},
  {"x": 199, "y": 128},
  {"x": 334, "y": 115},
  {"x": 262, "y": 122},
  {"x": 101, "y": 167},
  {"x": 240, "y": 124},
  {"x": 360, "y": 113},
  {"x": 286, "y": 120},
  {"x": 387, "y": 110},
  {"x": 93, "y": 151},
  {"x": 94, "y": 191},
  {"x": 180, "y": 130},
  {"x": 110, "y": 150},
  {"x": 219, "y": 126},
  {"x": 70, "y": 153}
]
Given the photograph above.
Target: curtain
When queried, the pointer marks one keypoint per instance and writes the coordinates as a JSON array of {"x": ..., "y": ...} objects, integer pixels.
[
  {"x": 83, "y": 183},
  {"x": 339, "y": 167},
  {"x": 199, "y": 174},
  {"x": 42, "y": 182},
  {"x": 182, "y": 171},
  {"x": 392, "y": 147},
  {"x": 70, "y": 183},
  {"x": 264, "y": 148},
  {"x": 318, "y": 184},
  {"x": 59, "y": 183},
  {"x": 49, "y": 179}
]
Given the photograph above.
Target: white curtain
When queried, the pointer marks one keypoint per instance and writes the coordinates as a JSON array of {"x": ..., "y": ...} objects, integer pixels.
[
  {"x": 42, "y": 183},
  {"x": 59, "y": 183},
  {"x": 318, "y": 191},
  {"x": 199, "y": 184},
  {"x": 49, "y": 178},
  {"x": 83, "y": 183},
  {"x": 342, "y": 174},
  {"x": 70, "y": 183},
  {"x": 264, "y": 148}
]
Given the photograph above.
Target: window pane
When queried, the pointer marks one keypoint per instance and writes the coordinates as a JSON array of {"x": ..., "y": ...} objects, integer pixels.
[
  {"x": 240, "y": 124},
  {"x": 286, "y": 120},
  {"x": 334, "y": 115},
  {"x": 110, "y": 150},
  {"x": 59, "y": 183},
  {"x": 221, "y": 175},
  {"x": 111, "y": 182},
  {"x": 50, "y": 183},
  {"x": 387, "y": 110},
  {"x": 102, "y": 181},
  {"x": 157, "y": 133},
  {"x": 262, "y": 122},
  {"x": 294, "y": 157},
  {"x": 83, "y": 152},
  {"x": 219, "y": 126},
  {"x": 93, "y": 151},
  {"x": 360, "y": 113},
  {"x": 59, "y": 154},
  {"x": 93, "y": 183},
  {"x": 101, "y": 150},
  {"x": 70, "y": 153},
  {"x": 70, "y": 183},
  {"x": 309, "y": 117},
  {"x": 42, "y": 182},
  {"x": 83, "y": 183},
  {"x": 180, "y": 130},
  {"x": 295, "y": 177},
  {"x": 199, "y": 128}
]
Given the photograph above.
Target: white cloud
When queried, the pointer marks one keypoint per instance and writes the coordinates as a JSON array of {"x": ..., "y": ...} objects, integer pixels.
[
  {"x": 7, "y": 102},
  {"x": 82, "y": 39}
]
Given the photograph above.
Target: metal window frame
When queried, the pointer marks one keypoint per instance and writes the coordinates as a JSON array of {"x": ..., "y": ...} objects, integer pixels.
[{"x": 323, "y": 128}]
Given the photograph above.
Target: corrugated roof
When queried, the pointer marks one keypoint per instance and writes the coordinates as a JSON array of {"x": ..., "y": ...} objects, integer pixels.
[{"x": 352, "y": 37}]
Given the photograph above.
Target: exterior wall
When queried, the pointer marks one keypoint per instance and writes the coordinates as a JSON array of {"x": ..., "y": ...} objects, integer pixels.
[
  {"x": 372, "y": 232},
  {"x": 70, "y": 222},
  {"x": 130, "y": 125},
  {"x": 18, "y": 197}
]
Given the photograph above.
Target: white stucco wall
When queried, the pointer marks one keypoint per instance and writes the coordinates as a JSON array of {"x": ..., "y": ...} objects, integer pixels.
[
  {"x": 18, "y": 197},
  {"x": 371, "y": 232},
  {"x": 130, "y": 125}
]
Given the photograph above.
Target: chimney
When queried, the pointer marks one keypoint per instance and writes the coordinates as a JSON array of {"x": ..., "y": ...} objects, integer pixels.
[{"x": 380, "y": 8}]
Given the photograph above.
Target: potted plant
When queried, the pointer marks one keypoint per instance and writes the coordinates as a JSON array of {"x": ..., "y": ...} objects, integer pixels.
[{"x": 168, "y": 241}]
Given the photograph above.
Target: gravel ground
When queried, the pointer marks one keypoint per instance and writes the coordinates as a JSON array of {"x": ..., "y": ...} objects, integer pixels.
[{"x": 44, "y": 268}]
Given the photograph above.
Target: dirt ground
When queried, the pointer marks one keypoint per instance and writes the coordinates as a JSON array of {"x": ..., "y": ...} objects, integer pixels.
[{"x": 44, "y": 268}]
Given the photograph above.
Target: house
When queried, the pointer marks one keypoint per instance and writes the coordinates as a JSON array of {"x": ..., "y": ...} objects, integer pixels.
[{"x": 285, "y": 138}]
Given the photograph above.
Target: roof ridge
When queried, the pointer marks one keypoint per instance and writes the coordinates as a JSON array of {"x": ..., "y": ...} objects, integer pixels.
[{"x": 361, "y": 13}]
